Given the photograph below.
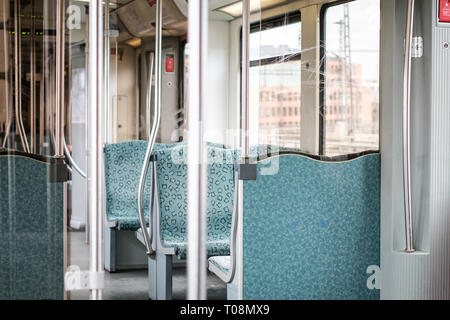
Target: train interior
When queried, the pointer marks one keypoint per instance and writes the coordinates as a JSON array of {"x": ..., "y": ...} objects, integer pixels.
[{"x": 325, "y": 130}]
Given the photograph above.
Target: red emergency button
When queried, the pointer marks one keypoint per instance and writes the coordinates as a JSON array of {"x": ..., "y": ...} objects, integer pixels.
[
  {"x": 444, "y": 10},
  {"x": 170, "y": 63}
]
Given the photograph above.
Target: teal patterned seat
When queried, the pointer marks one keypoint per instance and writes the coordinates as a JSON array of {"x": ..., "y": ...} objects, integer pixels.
[
  {"x": 172, "y": 186},
  {"x": 323, "y": 229},
  {"x": 328, "y": 213},
  {"x": 123, "y": 165},
  {"x": 31, "y": 228}
]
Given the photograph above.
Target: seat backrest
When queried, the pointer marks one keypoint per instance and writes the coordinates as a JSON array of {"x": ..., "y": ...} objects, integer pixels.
[
  {"x": 123, "y": 166},
  {"x": 31, "y": 228},
  {"x": 172, "y": 186},
  {"x": 221, "y": 188},
  {"x": 312, "y": 229}
]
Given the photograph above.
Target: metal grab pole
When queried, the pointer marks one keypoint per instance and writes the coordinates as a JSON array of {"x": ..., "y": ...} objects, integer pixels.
[
  {"x": 17, "y": 76},
  {"x": 19, "y": 71},
  {"x": 245, "y": 78},
  {"x": 32, "y": 83},
  {"x": 72, "y": 162},
  {"x": 95, "y": 77},
  {"x": 233, "y": 234},
  {"x": 9, "y": 111},
  {"x": 152, "y": 136},
  {"x": 196, "y": 222},
  {"x": 407, "y": 129},
  {"x": 59, "y": 94},
  {"x": 107, "y": 48}
]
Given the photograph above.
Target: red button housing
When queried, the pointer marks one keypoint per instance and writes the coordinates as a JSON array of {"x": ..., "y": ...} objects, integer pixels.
[
  {"x": 170, "y": 63},
  {"x": 444, "y": 10}
]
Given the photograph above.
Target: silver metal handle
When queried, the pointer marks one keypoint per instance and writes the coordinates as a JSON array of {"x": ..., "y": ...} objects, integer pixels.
[
  {"x": 245, "y": 78},
  {"x": 197, "y": 180},
  {"x": 95, "y": 103},
  {"x": 33, "y": 82},
  {"x": 59, "y": 92},
  {"x": 8, "y": 94},
  {"x": 72, "y": 162},
  {"x": 407, "y": 129},
  {"x": 152, "y": 135},
  {"x": 233, "y": 235},
  {"x": 18, "y": 75},
  {"x": 245, "y": 135}
]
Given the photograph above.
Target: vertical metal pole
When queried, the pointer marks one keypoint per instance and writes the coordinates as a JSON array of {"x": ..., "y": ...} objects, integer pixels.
[
  {"x": 152, "y": 137},
  {"x": 9, "y": 111},
  {"x": 196, "y": 232},
  {"x": 42, "y": 88},
  {"x": 47, "y": 81},
  {"x": 42, "y": 109},
  {"x": 95, "y": 83},
  {"x": 17, "y": 73},
  {"x": 86, "y": 140},
  {"x": 59, "y": 115},
  {"x": 107, "y": 63},
  {"x": 245, "y": 78},
  {"x": 59, "y": 94},
  {"x": 158, "y": 70},
  {"x": 32, "y": 83},
  {"x": 407, "y": 129},
  {"x": 19, "y": 70}
]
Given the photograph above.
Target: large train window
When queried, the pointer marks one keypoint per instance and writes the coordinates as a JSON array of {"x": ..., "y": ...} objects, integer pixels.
[
  {"x": 275, "y": 81},
  {"x": 350, "y": 86}
]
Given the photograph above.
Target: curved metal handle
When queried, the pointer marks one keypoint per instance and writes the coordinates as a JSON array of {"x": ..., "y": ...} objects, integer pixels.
[
  {"x": 146, "y": 233},
  {"x": 407, "y": 129},
  {"x": 245, "y": 96},
  {"x": 245, "y": 100},
  {"x": 152, "y": 137},
  {"x": 72, "y": 162},
  {"x": 17, "y": 76},
  {"x": 234, "y": 230}
]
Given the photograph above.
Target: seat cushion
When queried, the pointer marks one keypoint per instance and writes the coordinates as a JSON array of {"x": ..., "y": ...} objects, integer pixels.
[
  {"x": 213, "y": 248},
  {"x": 127, "y": 223},
  {"x": 221, "y": 262}
]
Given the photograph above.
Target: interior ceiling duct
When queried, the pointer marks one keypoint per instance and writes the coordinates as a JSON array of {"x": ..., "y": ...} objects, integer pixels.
[{"x": 139, "y": 17}]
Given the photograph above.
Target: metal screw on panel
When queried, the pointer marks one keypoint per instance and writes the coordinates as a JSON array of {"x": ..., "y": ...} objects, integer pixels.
[{"x": 446, "y": 45}]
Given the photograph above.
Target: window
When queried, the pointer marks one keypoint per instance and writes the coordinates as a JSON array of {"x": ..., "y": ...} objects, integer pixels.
[
  {"x": 275, "y": 69},
  {"x": 351, "y": 77}
]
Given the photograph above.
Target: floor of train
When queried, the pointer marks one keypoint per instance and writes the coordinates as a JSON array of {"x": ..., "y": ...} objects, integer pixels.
[{"x": 133, "y": 284}]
